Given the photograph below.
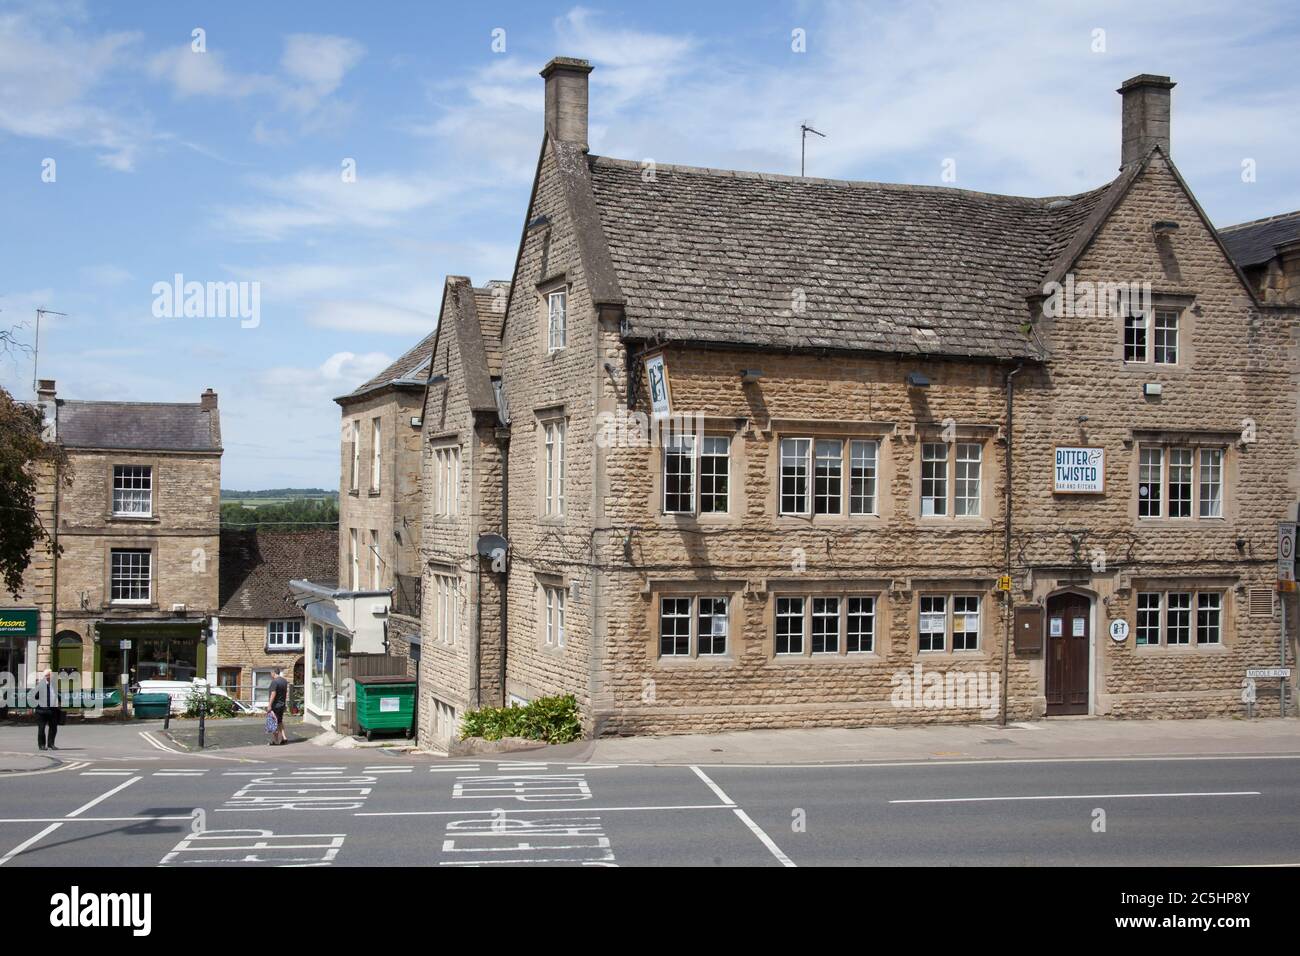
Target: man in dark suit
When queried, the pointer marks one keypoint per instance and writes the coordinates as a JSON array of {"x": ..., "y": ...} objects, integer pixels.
[{"x": 47, "y": 711}]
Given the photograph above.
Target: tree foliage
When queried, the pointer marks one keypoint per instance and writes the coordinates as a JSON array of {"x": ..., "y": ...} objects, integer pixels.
[
  {"x": 303, "y": 514},
  {"x": 24, "y": 457}
]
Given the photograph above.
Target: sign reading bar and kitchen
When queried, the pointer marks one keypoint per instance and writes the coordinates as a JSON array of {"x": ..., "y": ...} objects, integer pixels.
[
  {"x": 15, "y": 623},
  {"x": 1080, "y": 471}
]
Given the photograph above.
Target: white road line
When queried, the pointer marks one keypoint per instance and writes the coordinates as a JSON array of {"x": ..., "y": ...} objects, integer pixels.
[
  {"x": 529, "y": 810},
  {"x": 100, "y": 799},
  {"x": 758, "y": 831},
  {"x": 71, "y": 816},
  {"x": 466, "y": 768},
  {"x": 107, "y": 773},
  {"x": 141, "y": 819},
  {"x": 982, "y": 761},
  {"x": 158, "y": 744},
  {"x": 1085, "y": 796},
  {"x": 717, "y": 791},
  {"x": 26, "y": 843}
]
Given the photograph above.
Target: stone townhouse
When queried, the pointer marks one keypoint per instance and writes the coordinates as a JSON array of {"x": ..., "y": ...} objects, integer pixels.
[
  {"x": 464, "y": 613},
  {"x": 379, "y": 490},
  {"x": 133, "y": 592},
  {"x": 786, "y": 451},
  {"x": 258, "y": 626}
]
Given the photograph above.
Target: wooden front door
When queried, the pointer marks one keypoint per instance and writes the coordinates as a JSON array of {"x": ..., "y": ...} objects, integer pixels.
[{"x": 1068, "y": 635}]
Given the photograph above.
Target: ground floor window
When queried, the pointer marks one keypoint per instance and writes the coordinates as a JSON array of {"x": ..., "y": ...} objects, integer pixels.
[
  {"x": 1179, "y": 618},
  {"x": 948, "y": 620},
  {"x": 693, "y": 626},
  {"x": 825, "y": 624},
  {"x": 228, "y": 680},
  {"x": 261, "y": 686}
]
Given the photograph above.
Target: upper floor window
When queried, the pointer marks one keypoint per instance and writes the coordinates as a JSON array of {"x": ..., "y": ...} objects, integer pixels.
[
  {"x": 693, "y": 626},
  {"x": 354, "y": 560},
  {"x": 825, "y": 624},
  {"x": 133, "y": 490},
  {"x": 948, "y": 621},
  {"x": 446, "y": 481},
  {"x": 376, "y": 453},
  {"x": 828, "y": 492},
  {"x": 444, "y": 591},
  {"x": 283, "y": 635},
  {"x": 1180, "y": 482},
  {"x": 685, "y": 457},
  {"x": 354, "y": 473},
  {"x": 1162, "y": 346},
  {"x": 553, "y": 473},
  {"x": 376, "y": 561},
  {"x": 557, "y": 322},
  {"x": 130, "y": 580},
  {"x": 554, "y": 596},
  {"x": 1172, "y": 617},
  {"x": 951, "y": 479}
]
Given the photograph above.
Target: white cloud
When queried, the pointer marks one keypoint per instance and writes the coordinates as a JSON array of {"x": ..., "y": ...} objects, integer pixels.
[
  {"x": 317, "y": 64},
  {"x": 356, "y": 315},
  {"x": 320, "y": 199},
  {"x": 50, "y": 77},
  {"x": 193, "y": 73}
]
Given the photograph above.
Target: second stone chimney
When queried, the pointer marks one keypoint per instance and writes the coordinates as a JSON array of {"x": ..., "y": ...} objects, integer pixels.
[
  {"x": 566, "y": 99},
  {"x": 1146, "y": 116}
]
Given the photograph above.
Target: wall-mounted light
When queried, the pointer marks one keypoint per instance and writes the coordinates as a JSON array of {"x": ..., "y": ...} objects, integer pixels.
[
  {"x": 1152, "y": 389},
  {"x": 539, "y": 223},
  {"x": 1163, "y": 227},
  {"x": 917, "y": 380},
  {"x": 416, "y": 421},
  {"x": 750, "y": 375}
]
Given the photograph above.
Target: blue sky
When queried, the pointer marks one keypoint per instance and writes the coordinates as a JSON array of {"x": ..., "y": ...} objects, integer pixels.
[{"x": 227, "y": 164}]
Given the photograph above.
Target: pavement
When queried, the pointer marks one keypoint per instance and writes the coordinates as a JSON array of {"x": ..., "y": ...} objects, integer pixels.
[{"x": 1087, "y": 792}]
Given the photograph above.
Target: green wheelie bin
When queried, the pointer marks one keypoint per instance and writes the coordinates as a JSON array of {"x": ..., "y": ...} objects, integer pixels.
[
  {"x": 385, "y": 703},
  {"x": 147, "y": 706}
]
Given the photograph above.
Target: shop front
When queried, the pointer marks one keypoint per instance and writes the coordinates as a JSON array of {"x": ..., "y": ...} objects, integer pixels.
[
  {"x": 19, "y": 636},
  {"x": 131, "y": 651},
  {"x": 338, "y": 623}
]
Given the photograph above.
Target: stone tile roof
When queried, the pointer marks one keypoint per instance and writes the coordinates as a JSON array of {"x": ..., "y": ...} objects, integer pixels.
[
  {"x": 491, "y": 302},
  {"x": 409, "y": 371},
  {"x": 162, "y": 426},
  {"x": 718, "y": 256},
  {"x": 1254, "y": 243},
  {"x": 463, "y": 310},
  {"x": 256, "y": 567}
]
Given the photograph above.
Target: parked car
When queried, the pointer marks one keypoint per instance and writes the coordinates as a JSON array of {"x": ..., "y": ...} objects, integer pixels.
[{"x": 180, "y": 691}]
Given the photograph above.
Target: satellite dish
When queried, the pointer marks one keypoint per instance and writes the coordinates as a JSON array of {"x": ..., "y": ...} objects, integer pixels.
[{"x": 490, "y": 544}]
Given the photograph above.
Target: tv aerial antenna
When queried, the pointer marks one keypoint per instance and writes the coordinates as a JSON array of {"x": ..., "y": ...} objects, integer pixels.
[{"x": 804, "y": 130}]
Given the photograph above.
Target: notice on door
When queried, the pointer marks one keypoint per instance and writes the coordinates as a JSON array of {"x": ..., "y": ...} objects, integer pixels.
[
  {"x": 1057, "y": 624},
  {"x": 1076, "y": 627},
  {"x": 1080, "y": 471}
]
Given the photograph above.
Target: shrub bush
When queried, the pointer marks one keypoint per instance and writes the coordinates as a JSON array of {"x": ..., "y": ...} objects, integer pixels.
[
  {"x": 217, "y": 705},
  {"x": 552, "y": 719}
]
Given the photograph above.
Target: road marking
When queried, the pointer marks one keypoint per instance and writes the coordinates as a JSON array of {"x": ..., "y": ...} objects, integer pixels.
[
  {"x": 389, "y": 769},
  {"x": 135, "y": 819},
  {"x": 457, "y": 813},
  {"x": 158, "y": 744},
  {"x": 107, "y": 773},
  {"x": 717, "y": 791},
  {"x": 257, "y": 847},
  {"x": 981, "y": 761},
  {"x": 466, "y": 768},
  {"x": 71, "y": 816},
  {"x": 744, "y": 817},
  {"x": 526, "y": 788},
  {"x": 1085, "y": 796},
  {"x": 26, "y": 843}
]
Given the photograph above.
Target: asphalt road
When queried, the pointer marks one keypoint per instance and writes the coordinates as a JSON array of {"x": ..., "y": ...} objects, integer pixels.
[{"x": 303, "y": 804}]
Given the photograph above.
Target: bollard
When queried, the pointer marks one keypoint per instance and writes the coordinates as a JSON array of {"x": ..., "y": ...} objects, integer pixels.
[
  {"x": 203, "y": 710},
  {"x": 167, "y": 717}
]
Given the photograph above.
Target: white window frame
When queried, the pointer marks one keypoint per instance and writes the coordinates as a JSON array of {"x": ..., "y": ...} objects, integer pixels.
[
  {"x": 1136, "y": 322},
  {"x": 815, "y": 606},
  {"x": 354, "y": 482},
  {"x": 376, "y": 452},
  {"x": 132, "y": 486},
  {"x": 130, "y": 576},
  {"x": 554, "y": 599},
  {"x": 866, "y": 502},
  {"x": 354, "y": 560},
  {"x": 376, "y": 562},
  {"x": 1160, "y": 330},
  {"x": 557, "y": 320},
  {"x": 1192, "y": 602},
  {"x": 691, "y": 451},
  {"x": 954, "y": 604},
  {"x": 276, "y": 631},
  {"x": 446, "y": 481},
  {"x": 262, "y": 695},
  {"x": 1205, "y": 468},
  {"x": 553, "y": 468},
  {"x": 445, "y": 598},
  {"x": 934, "y": 479},
  {"x": 828, "y": 492},
  {"x": 1164, "y": 336}
]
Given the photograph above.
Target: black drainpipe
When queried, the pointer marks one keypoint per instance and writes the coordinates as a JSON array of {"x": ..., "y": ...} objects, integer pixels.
[{"x": 503, "y": 578}]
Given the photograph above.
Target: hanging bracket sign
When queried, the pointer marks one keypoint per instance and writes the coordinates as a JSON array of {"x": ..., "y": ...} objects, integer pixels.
[{"x": 1079, "y": 471}]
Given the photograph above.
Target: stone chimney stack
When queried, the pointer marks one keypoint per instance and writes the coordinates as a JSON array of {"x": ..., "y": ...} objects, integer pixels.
[
  {"x": 1146, "y": 116},
  {"x": 46, "y": 400},
  {"x": 208, "y": 400},
  {"x": 566, "y": 99}
]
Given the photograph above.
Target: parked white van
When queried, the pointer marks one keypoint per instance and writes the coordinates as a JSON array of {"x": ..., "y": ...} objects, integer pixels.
[{"x": 179, "y": 691}]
